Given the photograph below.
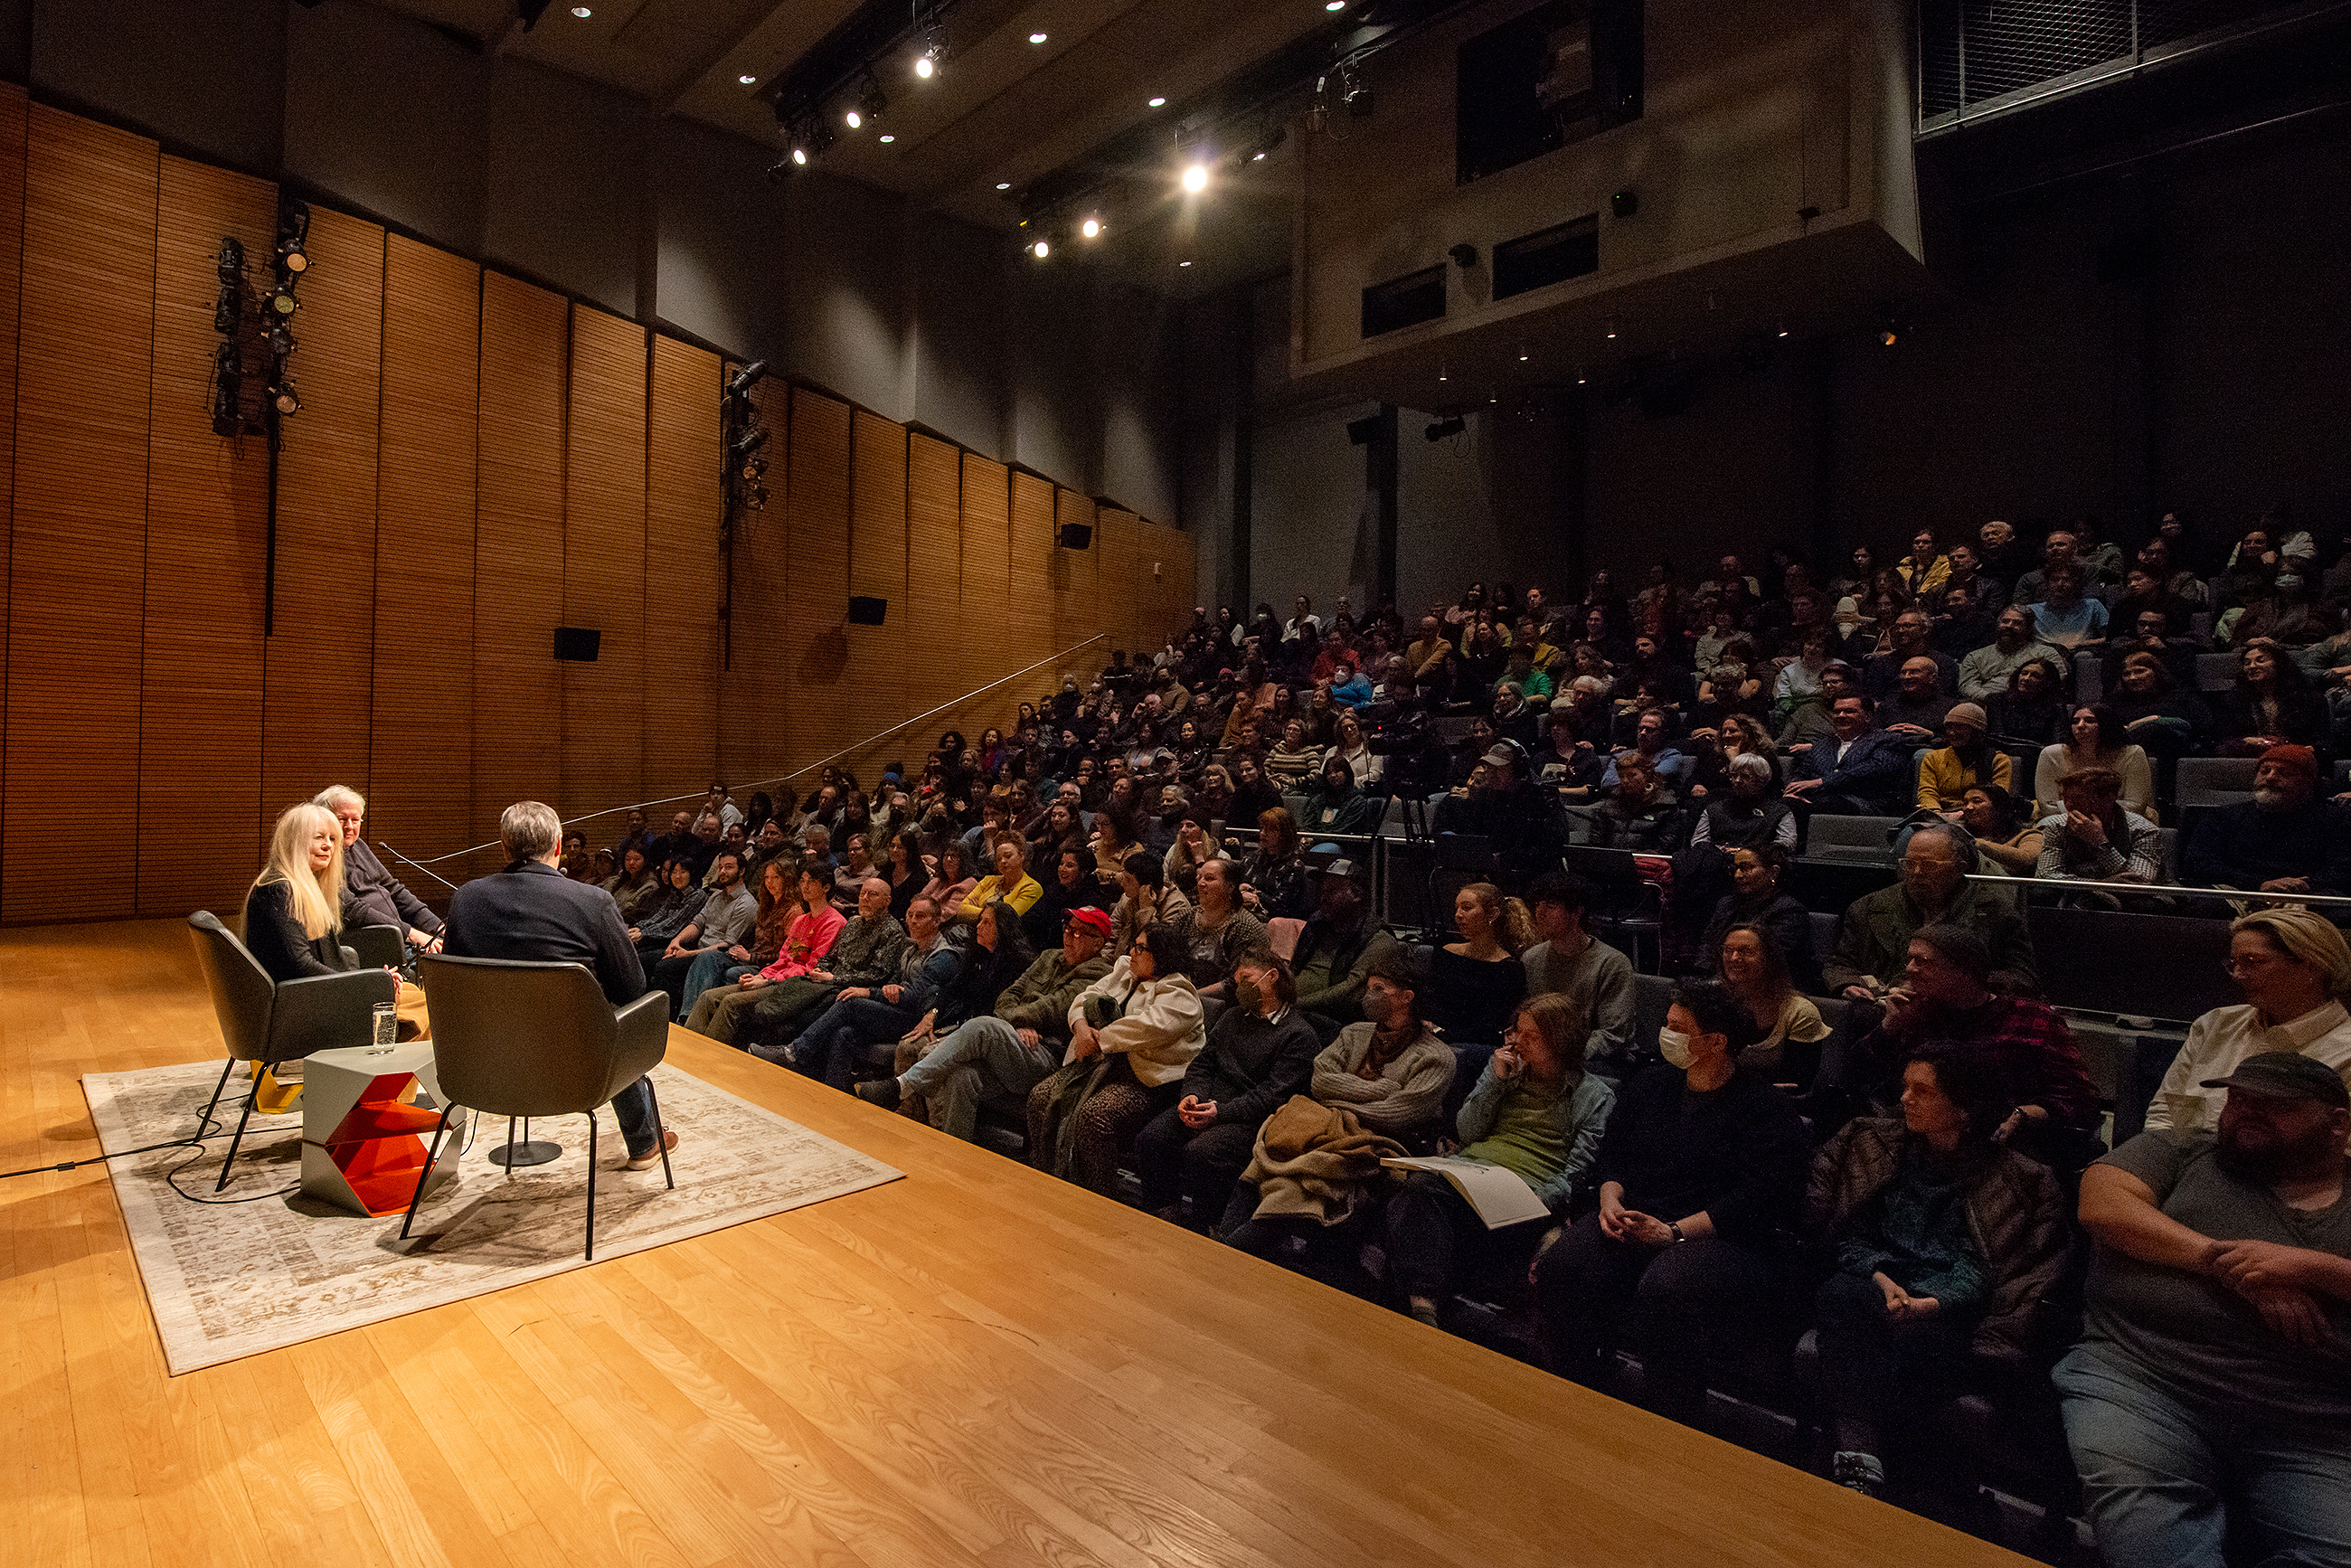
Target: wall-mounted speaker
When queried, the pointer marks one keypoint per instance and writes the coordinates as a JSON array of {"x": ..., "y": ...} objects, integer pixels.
[
  {"x": 578, "y": 644},
  {"x": 1076, "y": 536},
  {"x": 865, "y": 611}
]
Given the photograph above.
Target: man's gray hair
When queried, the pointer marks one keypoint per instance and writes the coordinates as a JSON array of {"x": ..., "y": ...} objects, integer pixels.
[
  {"x": 528, "y": 829},
  {"x": 334, "y": 796},
  {"x": 1750, "y": 762}
]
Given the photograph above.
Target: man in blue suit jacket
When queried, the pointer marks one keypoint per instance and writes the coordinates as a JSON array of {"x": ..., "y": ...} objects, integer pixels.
[{"x": 1857, "y": 770}]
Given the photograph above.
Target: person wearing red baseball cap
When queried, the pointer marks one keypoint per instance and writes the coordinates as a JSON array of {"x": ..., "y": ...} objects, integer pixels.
[{"x": 997, "y": 1057}]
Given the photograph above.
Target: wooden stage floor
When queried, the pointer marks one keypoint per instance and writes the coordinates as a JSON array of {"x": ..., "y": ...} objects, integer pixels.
[{"x": 976, "y": 1364}]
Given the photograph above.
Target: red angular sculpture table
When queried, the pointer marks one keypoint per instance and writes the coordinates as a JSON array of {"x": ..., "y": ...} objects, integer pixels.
[{"x": 363, "y": 1136}]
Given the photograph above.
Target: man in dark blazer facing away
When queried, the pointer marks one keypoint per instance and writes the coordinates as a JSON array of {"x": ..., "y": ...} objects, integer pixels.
[{"x": 531, "y": 911}]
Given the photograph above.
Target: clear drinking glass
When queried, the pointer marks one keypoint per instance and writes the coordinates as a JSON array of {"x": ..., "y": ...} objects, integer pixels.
[{"x": 387, "y": 1027}]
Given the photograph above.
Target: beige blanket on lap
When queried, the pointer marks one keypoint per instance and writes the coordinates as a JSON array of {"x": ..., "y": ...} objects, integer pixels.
[{"x": 1315, "y": 1161}]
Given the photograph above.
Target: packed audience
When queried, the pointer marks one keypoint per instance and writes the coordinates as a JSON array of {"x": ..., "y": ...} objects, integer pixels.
[{"x": 1131, "y": 933}]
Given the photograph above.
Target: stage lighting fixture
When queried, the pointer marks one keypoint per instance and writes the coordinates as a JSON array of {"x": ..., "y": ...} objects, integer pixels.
[
  {"x": 583, "y": 11},
  {"x": 232, "y": 262},
  {"x": 1334, "y": 5},
  {"x": 280, "y": 339},
  {"x": 282, "y": 302},
  {"x": 283, "y": 398},
  {"x": 1611, "y": 327},
  {"x": 750, "y": 441},
  {"x": 1784, "y": 329},
  {"x": 1889, "y": 333},
  {"x": 1036, "y": 37},
  {"x": 800, "y": 157},
  {"x": 1091, "y": 228},
  {"x": 1445, "y": 427},
  {"x": 1358, "y": 97},
  {"x": 754, "y": 470},
  {"x": 1041, "y": 249},
  {"x": 747, "y": 80},
  {"x": 746, "y": 378},
  {"x": 1195, "y": 178},
  {"x": 1158, "y": 103},
  {"x": 225, "y": 314},
  {"x": 294, "y": 238},
  {"x": 229, "y": 385},
  {"x": 871, "y": 101},
  {"x": 1317, "y": 114},
  {"x": 1522, "y": 356},
  {"x": 1004, "y": 184},
  {"x": 885, "y": 139}
]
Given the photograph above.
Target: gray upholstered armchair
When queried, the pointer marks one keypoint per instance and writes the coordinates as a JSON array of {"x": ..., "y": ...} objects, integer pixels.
[
  {"x": 514, "y": 1038},
  {"x": 269, "y": 1022}
]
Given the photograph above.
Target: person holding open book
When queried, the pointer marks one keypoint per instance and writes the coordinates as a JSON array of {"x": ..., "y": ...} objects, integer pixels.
[
  {"x": 1535, "y": 1112},
  {"x": 1704, "y": 1160}
]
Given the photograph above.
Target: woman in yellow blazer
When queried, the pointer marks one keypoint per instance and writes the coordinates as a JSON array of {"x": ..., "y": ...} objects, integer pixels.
[
  {"x": 1009, "y": 882},
  {"x": 1964, "y": 758}
]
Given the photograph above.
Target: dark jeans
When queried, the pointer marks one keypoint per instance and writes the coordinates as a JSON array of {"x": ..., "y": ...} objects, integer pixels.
[
  {"x": 669, "y": 975},
  {"x": 1327, "y": 1253},
  {"x": 1677, "y": 1300},
  {"x": 1172, "y": 1160},
  {"x": 1436, "y": 1238},
  {"x": 1872, "y": 1369},
  {"x": 632, "y": 1108},
  {"x": 837, "y": 1045}
]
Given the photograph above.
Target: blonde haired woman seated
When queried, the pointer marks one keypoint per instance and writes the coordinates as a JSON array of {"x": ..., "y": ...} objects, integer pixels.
[{"x": 294, "y": 913}]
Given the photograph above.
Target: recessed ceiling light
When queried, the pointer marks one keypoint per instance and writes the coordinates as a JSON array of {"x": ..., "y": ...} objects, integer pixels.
[
  {"x": 855, "y": 119},
  {"x": 1158, "y": 103},
  {"x": 1182, "y": 263},
  {"x": 747, "y": 80},
  {"x": 1036, "y": 37},
  {"x": 582, "y": 12},
  {"x": 1004, "y": 184},
  {"x": 887, "y": 140},
  {"x": 1091, "y": 228},
  {"x": 1334, "y": 5}
]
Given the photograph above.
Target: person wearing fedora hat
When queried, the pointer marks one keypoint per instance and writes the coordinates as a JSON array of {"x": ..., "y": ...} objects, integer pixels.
[{"x": 2209, "y": 1402}]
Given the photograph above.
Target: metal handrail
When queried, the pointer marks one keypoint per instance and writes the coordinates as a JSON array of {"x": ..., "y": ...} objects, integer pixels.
[
  {"x": 850, "y": 750},
  {"x": 2027, "y": 883}
]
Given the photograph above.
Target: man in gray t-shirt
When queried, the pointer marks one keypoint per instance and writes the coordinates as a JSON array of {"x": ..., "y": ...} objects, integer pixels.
[{"x": 2214, "y": 1378}]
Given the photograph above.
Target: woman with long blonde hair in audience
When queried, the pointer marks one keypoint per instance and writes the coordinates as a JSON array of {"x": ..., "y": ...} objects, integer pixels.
[
  {"x": 294, "y": 911},
  {"x": 1476, "y": 983}
]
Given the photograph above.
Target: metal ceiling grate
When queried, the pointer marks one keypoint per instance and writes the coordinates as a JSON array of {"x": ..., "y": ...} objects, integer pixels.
[{"x": 1975, "y": 54}]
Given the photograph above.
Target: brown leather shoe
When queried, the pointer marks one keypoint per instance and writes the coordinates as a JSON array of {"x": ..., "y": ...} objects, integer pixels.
[{"x": 652, "y": 1156}]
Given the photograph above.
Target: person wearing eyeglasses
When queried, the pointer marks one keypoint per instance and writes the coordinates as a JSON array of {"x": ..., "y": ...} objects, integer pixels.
[{"x": 2295, "y": 969}]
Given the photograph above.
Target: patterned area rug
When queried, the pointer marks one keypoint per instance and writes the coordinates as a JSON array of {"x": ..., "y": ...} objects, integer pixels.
[{"x": 229, "y": 1279}]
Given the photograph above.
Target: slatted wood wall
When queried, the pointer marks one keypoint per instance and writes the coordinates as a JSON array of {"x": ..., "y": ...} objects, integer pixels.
[
  {"x": 821, "y": 708},
  {"x": 680, "y": 591},
  {"x": 519, "y": 551},
  {"x": 1077, "y": 595},
  {"x": 318, "y": 711},
  {"x": 79, "y": 554},
  {"x": 12, "y": 256},
  {"x": 604, "y": 570},
  {"x": 986, "y": 637},
  {"x": 207, "y": 520},
  {"x": 421, "y": 764},
  {"x": 877, "y": 570},
  {"x": 475, "y": 461},
  {"x": 934, "y": 585}
]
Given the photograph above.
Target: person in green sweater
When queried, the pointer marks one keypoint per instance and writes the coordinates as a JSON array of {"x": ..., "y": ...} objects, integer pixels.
[{"x": 1535, "y": 1111}]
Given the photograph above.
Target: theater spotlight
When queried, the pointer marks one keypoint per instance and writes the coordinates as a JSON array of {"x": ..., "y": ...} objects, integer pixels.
[
  {"x": 746, "y": 378},
  {"x": 281, "y": 301},
  {"x": 229, "y": 385},
  {"x": 282, "y": 396},
  {"x": 750, "y": 441},
  {"x": 1889, "y": 333},
  {"x": 280, "y": 339},
  {"x": 294, "y": 238},
  {"x": 232, "y": 262},
  {"x": 1092, "y": 229},
  {"x": 226, "y": 313},
  {"x": 1041, "y": 249},
  {"x": 1442, "y": 428},
  {"x": 853, "y": 119},
  {"x": 1196, "y": 179}
]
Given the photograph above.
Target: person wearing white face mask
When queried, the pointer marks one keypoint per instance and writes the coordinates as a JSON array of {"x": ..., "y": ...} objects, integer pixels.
[{"x": 1702, "y": 1162}]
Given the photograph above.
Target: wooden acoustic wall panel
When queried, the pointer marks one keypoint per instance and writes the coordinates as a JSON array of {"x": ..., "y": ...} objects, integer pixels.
[
  {"x": 757, "y": 704},
  {"x": 604, "y": 572},
  {"x": 421, "y": 763},
  {"x": 1077, "y": 603},
  {"x": 986, "y": 643},
  {"x": 208, "y": 522},
  {"x": 824, "y": 713},
  {"x": 12, "y": 256},
  {"x": 878, "y": 664},
  {"x": 1119, "y": 539},
  {"x": 319, "y": 662},
  {"x": 519, "y": 551},
  {"x": 77, "y": 558},
  {"x": 681, "y": 573},
  {"x": 934, "y": 619},
  {"x": 1031, "y": 591},
  {"x": 1162, "y": 572}
]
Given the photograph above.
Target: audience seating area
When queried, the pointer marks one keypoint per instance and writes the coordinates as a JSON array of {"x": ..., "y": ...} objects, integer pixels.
[{"x": 1512, "y": 735}]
